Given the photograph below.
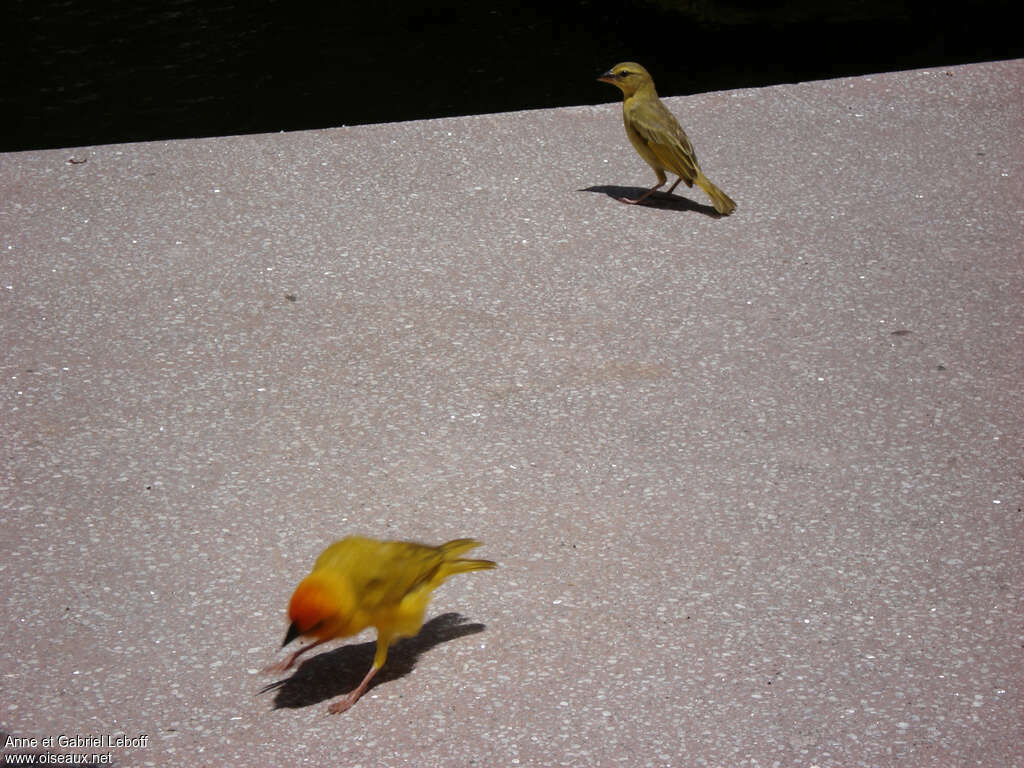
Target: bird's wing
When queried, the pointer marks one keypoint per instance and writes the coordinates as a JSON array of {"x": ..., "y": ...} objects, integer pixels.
[
  {"x": 382, "y": 572},
  {"x": 666, "y": 138}
]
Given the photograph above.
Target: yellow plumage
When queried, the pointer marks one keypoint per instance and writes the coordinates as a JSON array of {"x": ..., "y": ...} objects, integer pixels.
[
  {"x": 657, "y": 136},
  {"x": 359, "y": 582}
]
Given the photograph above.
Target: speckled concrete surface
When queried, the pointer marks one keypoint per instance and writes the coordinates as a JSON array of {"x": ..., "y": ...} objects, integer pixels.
[{"x": 754, "y": 483}]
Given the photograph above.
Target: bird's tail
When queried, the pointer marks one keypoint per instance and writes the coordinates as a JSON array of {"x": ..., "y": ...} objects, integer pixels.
[
  {"x": 454, "y": 564},
  {"x": 722, "y": 202}
]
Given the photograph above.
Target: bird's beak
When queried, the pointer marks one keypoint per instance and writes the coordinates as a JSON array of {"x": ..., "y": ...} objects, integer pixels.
[
  {"x": 293, "y": 632},
  {"x": 608, "y": 77}
]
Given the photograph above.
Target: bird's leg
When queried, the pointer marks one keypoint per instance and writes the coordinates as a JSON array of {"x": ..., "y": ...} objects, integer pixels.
[
  {"x": 282, "y": 666},
  {"x": 674, "y": 186},
  {"x": 340, "y": 705},
  {"x": 645, "y": 195}
]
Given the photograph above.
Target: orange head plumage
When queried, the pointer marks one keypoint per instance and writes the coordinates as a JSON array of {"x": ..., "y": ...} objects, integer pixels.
[{"x": 322, "y": 606}]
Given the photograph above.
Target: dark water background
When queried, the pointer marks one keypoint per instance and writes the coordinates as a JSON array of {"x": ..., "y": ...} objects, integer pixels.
[{"x": 79, "y": 73}]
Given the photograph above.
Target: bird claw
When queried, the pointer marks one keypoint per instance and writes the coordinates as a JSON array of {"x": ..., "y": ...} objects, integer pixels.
[
  {"x": 341, "y": 705},
  {"x": 277, "y": 667},
  {"x": 649, "y": 193}
]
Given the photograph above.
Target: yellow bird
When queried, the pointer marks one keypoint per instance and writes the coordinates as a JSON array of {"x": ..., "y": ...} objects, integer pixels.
[
  {"x": 657, "y": 135},
  {"x": 358, "y": 583}
]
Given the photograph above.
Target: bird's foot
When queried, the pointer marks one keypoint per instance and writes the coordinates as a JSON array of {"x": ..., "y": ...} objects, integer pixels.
[
  {"x": 644, "y": 196},
  {"x": 342, "y": 704},
  {"x": 277, "y": 667}
]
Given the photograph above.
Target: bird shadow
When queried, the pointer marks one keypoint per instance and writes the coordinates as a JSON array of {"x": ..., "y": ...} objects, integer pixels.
[
  {"x": 662, "y": 200},
  {"x": 337, "y": 672}
]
